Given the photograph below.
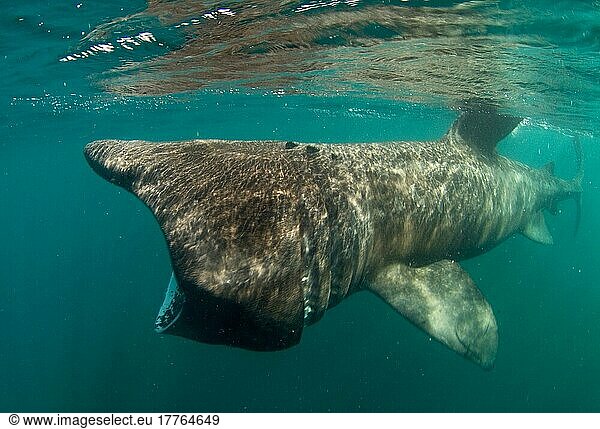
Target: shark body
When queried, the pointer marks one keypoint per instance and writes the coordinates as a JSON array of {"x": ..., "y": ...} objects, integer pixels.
[{"x": 265, "y": 236}]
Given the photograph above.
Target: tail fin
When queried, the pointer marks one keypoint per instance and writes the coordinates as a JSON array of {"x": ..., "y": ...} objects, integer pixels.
[
  {"x": 577, "y": 180},
  {"x": 579, "y": 160}
]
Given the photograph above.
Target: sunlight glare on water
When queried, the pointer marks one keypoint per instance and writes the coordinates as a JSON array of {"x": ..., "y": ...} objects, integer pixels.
[{"x": 535, "y": 59}]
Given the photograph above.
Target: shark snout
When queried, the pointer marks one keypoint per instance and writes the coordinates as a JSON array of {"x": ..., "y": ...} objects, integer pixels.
[
  {"x": 113, "y": 160},
  {"x": 98, "y": 155}
]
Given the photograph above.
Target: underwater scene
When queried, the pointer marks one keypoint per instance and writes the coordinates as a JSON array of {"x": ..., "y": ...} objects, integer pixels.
[{"x": 300, "y": 206}]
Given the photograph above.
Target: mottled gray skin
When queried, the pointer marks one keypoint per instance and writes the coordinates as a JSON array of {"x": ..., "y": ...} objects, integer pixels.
[{"x": 266, "y": 236}]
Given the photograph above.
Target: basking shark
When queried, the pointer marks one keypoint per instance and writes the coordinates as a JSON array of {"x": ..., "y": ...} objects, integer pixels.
[{"x": 265, "y": 236}]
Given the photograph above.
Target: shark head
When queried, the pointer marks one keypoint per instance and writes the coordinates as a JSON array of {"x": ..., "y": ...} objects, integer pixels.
[{"x": 233, "y": 249}]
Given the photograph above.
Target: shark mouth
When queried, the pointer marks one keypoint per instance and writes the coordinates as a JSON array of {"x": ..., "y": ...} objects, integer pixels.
[{"x": 171, "y": 308}]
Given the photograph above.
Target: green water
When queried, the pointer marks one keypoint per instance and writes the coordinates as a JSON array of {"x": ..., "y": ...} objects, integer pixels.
[{"x": 84, "y": 264}]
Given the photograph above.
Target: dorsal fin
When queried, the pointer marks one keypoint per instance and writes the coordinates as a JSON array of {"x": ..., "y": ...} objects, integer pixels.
[
  {"x": 483, "y": 129},
  {"x": 536, "y": 229},
  {"x": 549, "y": 168}
]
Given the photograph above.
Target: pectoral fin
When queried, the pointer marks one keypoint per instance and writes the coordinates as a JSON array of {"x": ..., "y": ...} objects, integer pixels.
[{"x": 441, "y": 299}]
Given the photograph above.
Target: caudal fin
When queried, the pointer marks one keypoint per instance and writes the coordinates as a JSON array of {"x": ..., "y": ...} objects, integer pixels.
[
  {"x": 563, "y": 190},
  {"x": 579, "y": 160},
  {"x": 577, "y": 180}
]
